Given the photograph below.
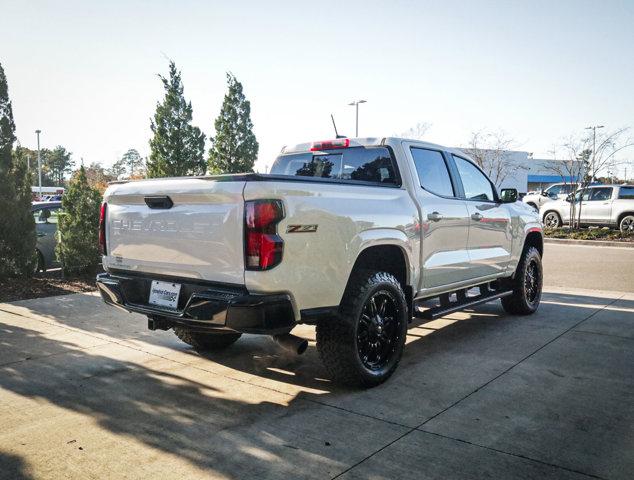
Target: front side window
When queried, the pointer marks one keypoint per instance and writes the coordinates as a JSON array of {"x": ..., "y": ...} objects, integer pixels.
[
  {"x": 476, "y": 185},
  {"x": 626, "y": 193},
  {"x": 601, "y": 194},
  {"x": 432, "y": 172},
  {"x": 554, "y": 190},
  {"x": 363, "y": 164},
  {"x": 586, "y": 195}
]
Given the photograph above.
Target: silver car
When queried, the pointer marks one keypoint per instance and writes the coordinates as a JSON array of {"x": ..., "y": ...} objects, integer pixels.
[
  {"x": 45, "y": 215},
  {"x": 605, "y": 205}
]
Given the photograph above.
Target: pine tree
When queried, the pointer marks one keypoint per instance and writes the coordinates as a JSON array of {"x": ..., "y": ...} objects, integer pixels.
[
  {"x": 234, "y": 148},
  {"x": 77, "y": 244},
  {"x": 17, "y": 228},
  {"x": 177, "y": 148},
  {"x": 132, "y": 161}
]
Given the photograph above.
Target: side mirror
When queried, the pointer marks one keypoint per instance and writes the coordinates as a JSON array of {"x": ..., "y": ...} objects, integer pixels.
[
  {"x": 569, "y": 198},
  {"x": 508, "y": 195},
  {"x": 543, "y": 193}
]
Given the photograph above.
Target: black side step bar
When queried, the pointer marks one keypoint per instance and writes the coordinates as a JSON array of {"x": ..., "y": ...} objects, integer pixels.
[{"x": 463, "y": 302}]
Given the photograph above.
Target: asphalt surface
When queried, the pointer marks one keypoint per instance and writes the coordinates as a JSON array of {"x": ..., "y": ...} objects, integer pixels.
[
  {"x": 590, "y": 267},
  {"x": 87, "y": 392}
]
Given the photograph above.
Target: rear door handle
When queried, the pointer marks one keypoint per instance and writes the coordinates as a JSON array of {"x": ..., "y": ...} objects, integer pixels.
[
  {"x": 434, "y": 216},
  {"x": 476, "y": 216}
]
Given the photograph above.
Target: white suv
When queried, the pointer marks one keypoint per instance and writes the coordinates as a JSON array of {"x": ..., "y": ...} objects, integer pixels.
[
  {"x": 609, "y": 205},
  {"x": 558, "y": 191}
]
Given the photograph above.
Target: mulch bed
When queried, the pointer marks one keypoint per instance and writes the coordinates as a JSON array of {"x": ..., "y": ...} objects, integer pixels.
[
  {"x": 45, "y": 285},
  {"x": 589, "y": 234}
]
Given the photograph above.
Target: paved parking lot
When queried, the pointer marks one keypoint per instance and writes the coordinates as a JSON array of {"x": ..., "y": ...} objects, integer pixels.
[{"x": 87, "y": 392}]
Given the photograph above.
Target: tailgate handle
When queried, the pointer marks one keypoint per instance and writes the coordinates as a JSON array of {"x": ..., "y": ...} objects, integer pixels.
[{"x": 162, "y": 202}]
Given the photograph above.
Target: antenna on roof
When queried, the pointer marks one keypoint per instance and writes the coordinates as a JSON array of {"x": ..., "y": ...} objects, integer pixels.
[{"x": 335, "y": 126}]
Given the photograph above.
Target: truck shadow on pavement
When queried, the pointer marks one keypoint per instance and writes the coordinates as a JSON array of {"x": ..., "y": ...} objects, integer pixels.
[
  {"x": 12, "y": 467},
  {"x": 251, "y": 411}
]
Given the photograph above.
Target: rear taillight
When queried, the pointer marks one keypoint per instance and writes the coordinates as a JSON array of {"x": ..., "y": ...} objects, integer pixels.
[
  {"x": 262, "y": 245},
  {"x": 102, "y": 228},
  {"x": 330, "y": 144}
]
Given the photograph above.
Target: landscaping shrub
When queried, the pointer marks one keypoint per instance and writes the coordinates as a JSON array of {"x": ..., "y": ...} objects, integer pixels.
[
  {"x": 17, "y": 228},
  {"x": 78, "y": 228}
]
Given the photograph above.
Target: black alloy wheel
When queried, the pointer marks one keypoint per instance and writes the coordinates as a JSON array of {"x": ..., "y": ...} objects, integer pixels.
[
  {"x": 532, "y": 285},
  {"x": 378, "y": 330}
]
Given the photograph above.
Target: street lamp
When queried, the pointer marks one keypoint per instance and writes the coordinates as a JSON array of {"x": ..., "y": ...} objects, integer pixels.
[
  {"x": 39, "y": 162},
  {"x": 594, "y": 141},
  {"x": 356, "y": 105}
]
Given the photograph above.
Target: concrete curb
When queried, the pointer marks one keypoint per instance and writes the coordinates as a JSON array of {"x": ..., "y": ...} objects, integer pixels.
[{"x": 593, "y": 243}]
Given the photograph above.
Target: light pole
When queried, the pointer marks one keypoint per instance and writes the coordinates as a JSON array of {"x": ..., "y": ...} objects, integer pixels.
[
  {"x": 356, "y": 105},
  {"x": 594, "y": 142},
  {"x": 39, "y": 162}
]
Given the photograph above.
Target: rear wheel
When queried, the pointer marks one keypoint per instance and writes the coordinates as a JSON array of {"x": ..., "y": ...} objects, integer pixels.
[
  {"x": 626, "y": 225},
  {"x": 552, "y": 220},
  {"x": 527, "y": 285},
  {"x": 363, "y": 345},
  {"x": 206, "y": 341}
]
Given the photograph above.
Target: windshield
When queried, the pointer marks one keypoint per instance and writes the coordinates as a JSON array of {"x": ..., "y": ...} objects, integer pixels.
[{"x": 372, "y": 164}]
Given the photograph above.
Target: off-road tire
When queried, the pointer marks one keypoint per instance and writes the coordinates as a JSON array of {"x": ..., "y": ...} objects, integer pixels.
[
  {"x": 337, "y": 338},
  {"x": 206, "y": 341},
  {"x": 522, "y": 301}
]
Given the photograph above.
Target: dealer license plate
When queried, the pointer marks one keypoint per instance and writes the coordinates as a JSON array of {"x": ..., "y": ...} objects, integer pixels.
[{"x": 165, "y": 294}]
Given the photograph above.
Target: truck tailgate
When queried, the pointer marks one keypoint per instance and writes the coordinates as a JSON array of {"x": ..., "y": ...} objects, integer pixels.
[{"x": 200, "y": 236}]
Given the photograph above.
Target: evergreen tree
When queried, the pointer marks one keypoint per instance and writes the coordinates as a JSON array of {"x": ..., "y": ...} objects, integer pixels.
[
  {"x": 177, "y": 148},
  {"x": 59, "y": 164},
  {"x": 234, "y": 148},
  {"x": 132, "y": 162},
  {"x": 78, "y": 227},
  {"x": 17, "y": 228}
]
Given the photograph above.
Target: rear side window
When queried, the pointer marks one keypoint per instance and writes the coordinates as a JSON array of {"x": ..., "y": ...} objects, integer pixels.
[
  {"x": 432, "y": 172},
  {"x": 372, "y": 164},
  {"x": 626, "y": 193}
]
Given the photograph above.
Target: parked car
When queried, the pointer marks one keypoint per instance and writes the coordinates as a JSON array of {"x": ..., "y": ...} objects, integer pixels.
[
  {"x": 355, "y": 236},
  {"x": 607, "y": 205},
  {"x": 45, "y": 215},
  {"x": 558, "y": 191}
]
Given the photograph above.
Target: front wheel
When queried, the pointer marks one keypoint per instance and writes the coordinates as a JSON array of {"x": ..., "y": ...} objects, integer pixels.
[
  {"x": 527, "y": 285},
  {"x": 364, "y": 344},
  {"x": 626, "y": 225},
  {"x": 552, "y": 220},
  {"x": 206, "y": 341}
]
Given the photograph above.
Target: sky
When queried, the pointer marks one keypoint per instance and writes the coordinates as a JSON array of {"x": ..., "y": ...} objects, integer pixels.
[{"x": 85, "y": 72}]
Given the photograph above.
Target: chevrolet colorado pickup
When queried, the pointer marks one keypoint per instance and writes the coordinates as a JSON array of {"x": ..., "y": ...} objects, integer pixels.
[{"x": 355, "y": 236}]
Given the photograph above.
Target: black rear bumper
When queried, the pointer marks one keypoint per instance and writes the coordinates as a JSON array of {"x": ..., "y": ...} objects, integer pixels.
[{"x": 202, "y": 305}]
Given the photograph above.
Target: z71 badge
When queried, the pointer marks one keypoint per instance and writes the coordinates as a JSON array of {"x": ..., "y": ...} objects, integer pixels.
[{"x": 301, "y": 228}]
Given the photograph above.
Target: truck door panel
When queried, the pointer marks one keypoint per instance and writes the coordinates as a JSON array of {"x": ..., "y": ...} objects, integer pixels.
[
  {"x": 490, "y": 237},
  {"x": 444, "y": 220}
]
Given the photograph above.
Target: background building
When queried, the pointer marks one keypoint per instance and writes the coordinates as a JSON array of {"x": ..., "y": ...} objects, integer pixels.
[{"x": 519, "y": 170}]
